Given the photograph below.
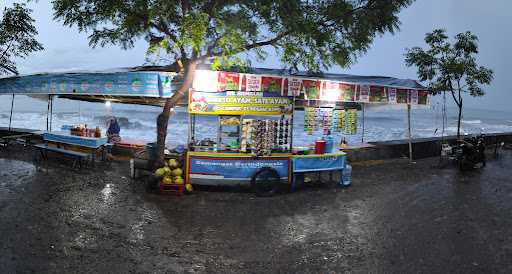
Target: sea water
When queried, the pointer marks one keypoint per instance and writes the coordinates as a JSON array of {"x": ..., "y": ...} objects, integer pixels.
[{"x": 381, "y": 123}]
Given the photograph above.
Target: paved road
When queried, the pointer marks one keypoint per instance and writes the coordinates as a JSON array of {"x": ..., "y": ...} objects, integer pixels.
[{"x": 397, "y": 218}]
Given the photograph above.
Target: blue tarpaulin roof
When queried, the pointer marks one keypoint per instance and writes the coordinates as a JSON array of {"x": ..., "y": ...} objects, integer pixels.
[
  {"x": 153, "y": 82},
  {"x": 120, "y": 82}
]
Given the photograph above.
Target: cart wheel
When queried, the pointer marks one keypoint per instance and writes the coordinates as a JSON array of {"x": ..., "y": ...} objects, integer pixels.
[{"x": 265, "y": 182}]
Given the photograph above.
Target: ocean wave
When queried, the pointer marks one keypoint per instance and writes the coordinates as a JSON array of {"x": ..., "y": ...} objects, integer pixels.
[
  {"x": 124, "y": 122},
  {"x": 471, "y": 121}
]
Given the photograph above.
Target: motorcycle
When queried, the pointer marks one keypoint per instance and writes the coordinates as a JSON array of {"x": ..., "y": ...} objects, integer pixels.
[{"x": 470, "y": 153}]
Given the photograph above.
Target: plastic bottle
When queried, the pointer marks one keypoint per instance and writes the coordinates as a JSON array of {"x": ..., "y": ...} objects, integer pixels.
[
  {"x": 346, "y": 177},
  {"x": 329, "y": 142}
]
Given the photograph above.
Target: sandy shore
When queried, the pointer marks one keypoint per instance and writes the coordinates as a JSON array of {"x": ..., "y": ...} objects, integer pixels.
[{"x": 397, "y": 218}]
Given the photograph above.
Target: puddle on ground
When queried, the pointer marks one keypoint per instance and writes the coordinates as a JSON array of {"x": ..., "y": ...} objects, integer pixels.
[{"x": 14, "y": 172}]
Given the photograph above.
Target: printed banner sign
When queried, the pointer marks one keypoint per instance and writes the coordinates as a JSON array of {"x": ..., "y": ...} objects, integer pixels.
[
  {"x": 206, "y": 80},
  {"x": 318, "y": 163},
  {"x": 239, "y": 103},
  {"x": 311, "y": 89},
  {"x": 271, "y": 84},
  {"x": 252, "y": 82},
  {"x": 392, "y": 96},
  {"x": 378, "y": 94},
  {"x": 149, "y": 84},
  {"x": 331, "y": 91},
  {"x": 423, "y": 97},
  {"x": 206, "y": 170},
  {"x": 402, "y": 96},
  {"x": 414, "y": 96},
  {"x": 364, "y": 93},
  {"x": 228, "y": 81},
  {"x": 294, "y": 85},
  {"x": 348, "y": 92}
]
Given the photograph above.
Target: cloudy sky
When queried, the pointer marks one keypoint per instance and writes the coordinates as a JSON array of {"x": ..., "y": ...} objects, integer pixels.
[{"x": 66, "y": 49}]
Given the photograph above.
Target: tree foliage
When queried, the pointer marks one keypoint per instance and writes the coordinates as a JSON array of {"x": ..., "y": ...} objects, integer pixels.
[
  {"x": 450, "y": 67},
  {"x": 313, "y": 35},
  {"x": 17, "y": 40}
]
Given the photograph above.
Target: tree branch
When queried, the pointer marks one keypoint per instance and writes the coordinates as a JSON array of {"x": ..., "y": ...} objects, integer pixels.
[{"x": 5, "y": 51}]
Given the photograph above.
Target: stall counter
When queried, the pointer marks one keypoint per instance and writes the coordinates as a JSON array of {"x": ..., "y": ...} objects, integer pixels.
[{"x": 209, "y": 168}]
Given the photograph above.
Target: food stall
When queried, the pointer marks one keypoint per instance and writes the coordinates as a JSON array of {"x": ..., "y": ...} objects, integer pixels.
[
  {"x": 254, "y": 117},
  {"x": 252, "y": 114}
]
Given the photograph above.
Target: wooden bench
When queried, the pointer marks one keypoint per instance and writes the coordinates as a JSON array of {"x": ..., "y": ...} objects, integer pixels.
[
  {"x": 78, "y": 157},
  {"x": 5, "y": 140}
]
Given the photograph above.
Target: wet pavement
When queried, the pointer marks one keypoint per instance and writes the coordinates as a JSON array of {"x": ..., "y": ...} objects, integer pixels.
[{"x": 396, "y": 218}]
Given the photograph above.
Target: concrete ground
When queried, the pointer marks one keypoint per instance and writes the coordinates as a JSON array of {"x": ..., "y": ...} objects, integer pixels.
[{"x": 396, "y": 218}]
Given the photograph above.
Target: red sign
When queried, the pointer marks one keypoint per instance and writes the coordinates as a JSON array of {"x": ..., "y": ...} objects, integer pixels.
[
  {"x": 378, "y": 94},
  {"x": 348, "y": 92},
  {"x": 331, "y": 91},
  {"x": 364, "y": 93},
  {"x": 271, "y": 84},
  {"x": 292, "y": 87},
  {"x": 402, "y": 96},
  {"x": 228, "y": 81},
  {"x": 423, "y": 97},
  {"x": 252, "y": 82},
  {"x": 311, "y": 89}
]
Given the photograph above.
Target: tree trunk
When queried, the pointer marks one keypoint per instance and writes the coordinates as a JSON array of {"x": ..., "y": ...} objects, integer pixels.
[
  {"x": 458, "y": 122},
  {"x": 460, "y": 116},
  {"x": 162, "y": 120}
]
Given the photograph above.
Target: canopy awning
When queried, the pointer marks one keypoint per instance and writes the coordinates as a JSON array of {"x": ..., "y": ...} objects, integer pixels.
[
  {"x": 150, "y": 85},
  {"x": 118, "y": 83}
]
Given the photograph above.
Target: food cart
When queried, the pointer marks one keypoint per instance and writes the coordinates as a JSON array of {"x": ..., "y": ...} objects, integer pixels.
[{"x": 254, "y": 114}]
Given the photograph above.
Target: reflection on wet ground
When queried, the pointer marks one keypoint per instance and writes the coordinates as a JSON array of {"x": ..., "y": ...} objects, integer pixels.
[{"x": 397, "y": 218}]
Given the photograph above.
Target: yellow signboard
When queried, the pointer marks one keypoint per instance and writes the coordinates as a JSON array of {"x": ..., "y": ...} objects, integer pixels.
[{"x": 239, "y": 103}]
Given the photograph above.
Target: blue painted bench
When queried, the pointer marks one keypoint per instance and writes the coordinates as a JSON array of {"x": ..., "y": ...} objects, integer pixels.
[{"x": 78, "y": 157}]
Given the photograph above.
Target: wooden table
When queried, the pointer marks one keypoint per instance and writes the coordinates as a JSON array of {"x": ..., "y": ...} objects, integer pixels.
[{"x": 89, "y": 143}]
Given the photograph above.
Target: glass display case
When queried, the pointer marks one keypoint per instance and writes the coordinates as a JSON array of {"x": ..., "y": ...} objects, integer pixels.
[{"x": 229, "y": 133}]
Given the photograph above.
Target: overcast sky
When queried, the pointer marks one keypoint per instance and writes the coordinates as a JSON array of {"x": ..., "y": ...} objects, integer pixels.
[{"x": 66, "y": 49}]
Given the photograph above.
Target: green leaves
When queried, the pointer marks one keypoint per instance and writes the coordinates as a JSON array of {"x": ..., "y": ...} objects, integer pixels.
[
  {"x": 312, "y": 35},
  {"x": 17, "y": 40},
  {"x": 450, "y": 66},
  {"x": 192, "y": 31}
]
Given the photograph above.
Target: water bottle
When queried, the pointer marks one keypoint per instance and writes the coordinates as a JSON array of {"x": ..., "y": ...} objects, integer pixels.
[
  {"x": 329, "y": 143},
  {"x": 346, "y": 177}
]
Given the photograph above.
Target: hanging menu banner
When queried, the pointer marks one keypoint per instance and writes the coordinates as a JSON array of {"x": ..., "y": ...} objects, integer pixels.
[
  {"x": 311, "y": 89},
  {"x": 348, "y": 92},
  {"x": 294, "y": 85},
  {"x": 402, "y": 96},
  {"x": 364, "y": 93},
  {"x": 252, "y": 82},
  {"x": 238, "y": 103},
  {"x": 228, "y": 81},
  {"x": 423, "y": 97},
  {"x": 271, "y": 84},
  {"x": 414, "y": 96},
  {"x": 330, "y": 91},
  {"x": 392, "y": 96},
  {"x": 378, "y": 94}
]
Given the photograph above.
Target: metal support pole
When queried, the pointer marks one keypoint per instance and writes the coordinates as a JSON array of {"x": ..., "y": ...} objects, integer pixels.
[
  {"x": 362, "y": 134},
  {"x": 51, "y": 111},
  {"x": 409, "y": 131},
  {"x": 12, "y": 107},
  {"x": 48, "y": 115}
]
